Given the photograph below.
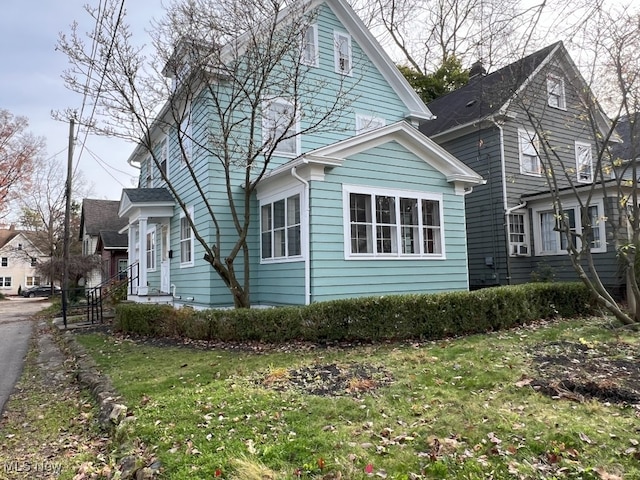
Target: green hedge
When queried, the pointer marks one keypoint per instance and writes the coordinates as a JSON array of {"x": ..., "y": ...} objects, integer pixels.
[{"x": 396, "y": 317}]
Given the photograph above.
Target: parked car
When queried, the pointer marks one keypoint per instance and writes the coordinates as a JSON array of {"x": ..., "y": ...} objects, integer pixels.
[{"x": 41, "y": 291}]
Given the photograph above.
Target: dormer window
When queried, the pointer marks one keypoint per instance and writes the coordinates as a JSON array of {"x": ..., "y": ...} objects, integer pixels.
[
  {"x": 342, "y": 53},
  {"x": 555, "y": 92}
]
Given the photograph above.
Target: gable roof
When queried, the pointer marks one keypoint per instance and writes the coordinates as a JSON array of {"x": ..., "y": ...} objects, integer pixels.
[
  {"x": 110, "y": 240},
  {"x": 416, "y": 110},
  {"x": 401, "y": 132},
  {"x": 628, "y": 128},
  {"x": 98, "y": 215},
  {"x": 486, "y": 95},
  {"x": 9, "y": 234}
]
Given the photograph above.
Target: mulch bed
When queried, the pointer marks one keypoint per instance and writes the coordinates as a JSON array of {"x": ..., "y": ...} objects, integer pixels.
[{"x": 584, "y": 370}]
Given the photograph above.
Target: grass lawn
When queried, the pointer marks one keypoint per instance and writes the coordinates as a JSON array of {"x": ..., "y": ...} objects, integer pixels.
[{"x": 461, "y": 408}]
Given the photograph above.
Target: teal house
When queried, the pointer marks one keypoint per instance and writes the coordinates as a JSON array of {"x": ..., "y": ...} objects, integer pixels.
[{"x": 365, "y": 206}]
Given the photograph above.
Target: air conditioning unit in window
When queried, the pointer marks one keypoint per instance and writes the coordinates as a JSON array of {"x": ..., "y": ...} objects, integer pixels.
[{"x": 519, "y": 250}]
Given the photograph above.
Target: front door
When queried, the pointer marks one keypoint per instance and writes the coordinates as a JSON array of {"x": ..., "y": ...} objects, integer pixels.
[{"x": 165, "y": 262}]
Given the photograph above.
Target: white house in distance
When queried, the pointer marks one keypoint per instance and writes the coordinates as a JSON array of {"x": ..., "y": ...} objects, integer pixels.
[{"x": 19, "y": 256}]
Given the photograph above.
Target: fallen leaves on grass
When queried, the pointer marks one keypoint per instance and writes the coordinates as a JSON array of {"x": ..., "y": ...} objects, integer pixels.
[{"x": 328, "y": 379}]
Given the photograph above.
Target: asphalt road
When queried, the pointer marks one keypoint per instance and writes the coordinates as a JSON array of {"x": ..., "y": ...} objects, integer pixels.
[{"x": 15, "y": 331}]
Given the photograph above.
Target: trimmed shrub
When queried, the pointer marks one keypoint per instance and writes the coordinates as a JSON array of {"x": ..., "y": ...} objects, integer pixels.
[{"x": 395, "y": 317}]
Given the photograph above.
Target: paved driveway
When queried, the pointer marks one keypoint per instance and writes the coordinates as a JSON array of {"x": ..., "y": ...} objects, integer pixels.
[{"x": 15, "y": 331}]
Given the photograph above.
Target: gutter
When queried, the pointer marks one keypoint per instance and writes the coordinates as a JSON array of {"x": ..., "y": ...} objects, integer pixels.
[{"x": 306, "y": 244}]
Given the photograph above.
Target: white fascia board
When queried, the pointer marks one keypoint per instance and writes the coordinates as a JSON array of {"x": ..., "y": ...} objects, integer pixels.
[{"x": 417, "y": 110}]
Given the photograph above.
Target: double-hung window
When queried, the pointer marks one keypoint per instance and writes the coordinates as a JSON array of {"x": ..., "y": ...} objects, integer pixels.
[
  {"x": 342, "y": 53},
  {"x": 555, "y": 92},
  {"x": 4, "y": 262},
  {"x": 529, "y": 158},
  {"x": 5, "y": 282},
  {"x": 518, "y": 237},
  {"x": 151, "y": 249},
  {"x": 584, "y": 162},
  {"x": 32, "y": 281},
  {"x": 280, "y": 228},
  {"x": 280, "y": 127},
  {"x": 164, "y": 156},
  {"x": 148, "y": 183},
  {"x": 185, "y": 137},
  {"x": 186, "y": 240},
  {"x": 382, "y": 223},
  {"x": 309, "y": 54}
]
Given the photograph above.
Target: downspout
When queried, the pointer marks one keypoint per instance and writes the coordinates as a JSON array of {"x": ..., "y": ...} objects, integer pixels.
[
  {"x": 306, "y": 244},
  {"x": 503, "y": 173}
]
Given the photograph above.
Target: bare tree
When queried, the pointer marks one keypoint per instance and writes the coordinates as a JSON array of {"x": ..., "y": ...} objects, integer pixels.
[
  {"x": 613, "y": 176},
  {"x": 425, "y": 34},
  {"x": 42, "y": 209},
  {"x": 218, "y": 69},
  {"x": 19, "y": 153}
]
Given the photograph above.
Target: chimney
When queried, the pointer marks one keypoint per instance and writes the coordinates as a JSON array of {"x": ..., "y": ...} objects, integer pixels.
[{"x": 477, "y": 70}]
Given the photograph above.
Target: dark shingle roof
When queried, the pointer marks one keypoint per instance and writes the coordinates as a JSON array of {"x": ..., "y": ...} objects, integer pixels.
[
  {"x": 111, "y": 239},
  {"x": 100, "y": 215},
  {"x": 628, "y": 128},
  {"x": 482, "y": 96},
  {"x": 148, "y": 195}
]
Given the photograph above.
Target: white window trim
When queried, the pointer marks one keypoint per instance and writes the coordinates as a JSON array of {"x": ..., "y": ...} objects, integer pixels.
[
  {"x": 148, "y": 179},
  {"x": 336, "y": 53},
  {"x": 535, "y": 142},
  {"x": 579, "y": 145},
  {"x": 515, "y": 247},
  {"x": 151, "y": 248},
  {"x": 562, "y": 99},
  {"x": 366, "y": 123},
  {"x": 185, "y": 130},
  {"x": 266, "y": 104},
  {"x": 537, "y": 233},
  {"x": 304, "y": 228},
  {"x": 315, "y": 62},
  {"x": 180, "y": 240},
  {"x": 164, "y": 155},
  {"x": 347, "y": 190}
]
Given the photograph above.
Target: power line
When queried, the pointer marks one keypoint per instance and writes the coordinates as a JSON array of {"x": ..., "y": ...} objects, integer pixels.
[{"x": 103, "y": 73}]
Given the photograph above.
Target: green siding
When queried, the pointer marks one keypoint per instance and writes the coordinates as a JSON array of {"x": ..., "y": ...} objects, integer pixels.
[
  {"x": 387, "y": 166},
  {"x": 366, "y": 92}
]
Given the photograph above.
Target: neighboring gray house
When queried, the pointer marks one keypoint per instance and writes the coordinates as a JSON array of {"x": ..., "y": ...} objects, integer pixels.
[{"x": 493, "y": 125}]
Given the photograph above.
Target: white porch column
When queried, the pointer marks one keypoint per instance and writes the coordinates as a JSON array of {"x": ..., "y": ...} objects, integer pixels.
[
  {"x": 142, "y": 282},
  {"x": 131, "y": 256}
]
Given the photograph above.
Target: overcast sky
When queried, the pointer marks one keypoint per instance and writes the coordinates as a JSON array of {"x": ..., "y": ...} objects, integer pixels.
[{"x": 30, "y": 83}]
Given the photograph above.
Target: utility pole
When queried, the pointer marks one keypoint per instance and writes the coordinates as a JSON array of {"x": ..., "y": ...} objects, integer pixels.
[{"x": 67, "y": 221}]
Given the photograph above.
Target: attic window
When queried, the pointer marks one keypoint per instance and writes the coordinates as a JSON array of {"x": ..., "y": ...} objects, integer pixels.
[
  {"x": 342, "y": 52},
  {"x": 555, "y": 92},
  {"x": 19, "y": 246}
]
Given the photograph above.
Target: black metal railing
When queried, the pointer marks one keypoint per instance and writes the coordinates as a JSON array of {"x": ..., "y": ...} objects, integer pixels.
[{"x": 109, "y": 288}]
